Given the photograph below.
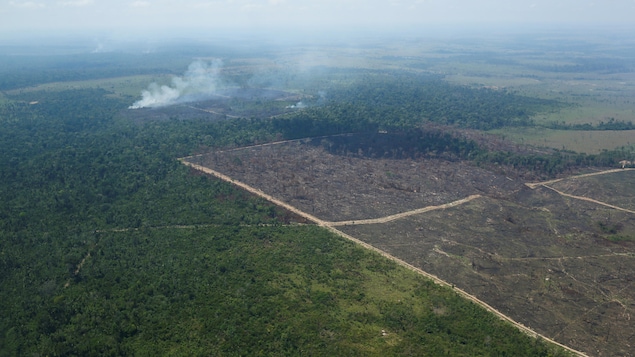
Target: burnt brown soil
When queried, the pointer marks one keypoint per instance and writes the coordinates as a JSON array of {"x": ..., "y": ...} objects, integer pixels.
[
  {"x": 617, "y": 189},
  {"x": 542, "y": 264},
  {"x": 550, "y": 262},
  {"x": 347, "y": 187}
]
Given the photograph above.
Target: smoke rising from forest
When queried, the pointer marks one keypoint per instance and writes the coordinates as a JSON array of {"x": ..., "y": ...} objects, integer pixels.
[{"x": 201, "y": 80}]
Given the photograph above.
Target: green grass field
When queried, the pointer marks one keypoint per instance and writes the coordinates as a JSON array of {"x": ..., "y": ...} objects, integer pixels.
[
  {"x": 127, "y": 86},
  {"x": 589, "y": 96},
  {"x": 3, "y": 99},
  {"x": 589, "y": 142}
]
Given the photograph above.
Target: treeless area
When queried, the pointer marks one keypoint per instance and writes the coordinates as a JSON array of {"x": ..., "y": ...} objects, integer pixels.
[
  {"x": 552, "y": 261},
  {"x": 326, "y": 180}
]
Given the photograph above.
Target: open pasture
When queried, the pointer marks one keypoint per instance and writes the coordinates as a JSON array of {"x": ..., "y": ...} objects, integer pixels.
[
  {"x": 126, "y": 86},
  {"x": 596, "y": 82},
  {"x": 584, "y": 141}
]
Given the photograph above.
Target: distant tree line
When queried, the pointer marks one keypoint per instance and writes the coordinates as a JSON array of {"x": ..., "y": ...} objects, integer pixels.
[
  {"x": 443, "y": 143},
  {"x": 605, "y": 65},
  {"x": 611, "y": 124},
  {"x": 397, "y": 100}
]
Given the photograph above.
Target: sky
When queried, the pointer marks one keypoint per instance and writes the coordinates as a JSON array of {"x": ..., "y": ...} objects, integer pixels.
[{"x": 146, "y": 16}]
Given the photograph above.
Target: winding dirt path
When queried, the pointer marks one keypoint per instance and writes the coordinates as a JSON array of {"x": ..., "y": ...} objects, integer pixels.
[
  {"x": 545, "y": 183},
  {"x": 590, "y": 200},
  {"x": 583, "y": 198},
  {"x": 397, "y": 216},
  {"x": 331, "y": 227}
]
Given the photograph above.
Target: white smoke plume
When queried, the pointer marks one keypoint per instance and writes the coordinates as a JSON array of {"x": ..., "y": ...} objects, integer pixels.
[
  {"x": 298, "y": 105},
  {"x": 200, "y": 81}
]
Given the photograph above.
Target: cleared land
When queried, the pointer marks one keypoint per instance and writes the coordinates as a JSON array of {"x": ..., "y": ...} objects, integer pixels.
[
  {"x": 561, "y": 266},
  {"x": 616, "y": 189},
  {"x": 335, "y": 187}
]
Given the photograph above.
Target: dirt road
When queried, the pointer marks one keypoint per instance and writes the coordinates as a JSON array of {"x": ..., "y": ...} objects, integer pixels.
[
  {"x": 590, "y": 200},
  {"x": 544, "y": 183},
  {"x": 583, "y": 198},
  {"x": 256, "y": 192},
  {"x": 403, "y": 214}
]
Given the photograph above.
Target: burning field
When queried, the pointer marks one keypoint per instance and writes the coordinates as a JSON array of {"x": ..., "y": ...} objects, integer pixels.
[{"x": 205, "y": 91}]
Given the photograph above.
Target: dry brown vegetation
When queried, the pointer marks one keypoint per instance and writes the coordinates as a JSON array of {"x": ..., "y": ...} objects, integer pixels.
[
  {"x": 559, "y": 265},
  {"x": 348, "y": 186}
]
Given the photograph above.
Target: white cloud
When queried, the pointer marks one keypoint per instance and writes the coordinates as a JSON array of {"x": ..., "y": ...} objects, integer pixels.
[
  {"x": 140, "y": 4},
  {"x": 76, "y": 3},
  {"x": 251, "y": 7},
  {"x": 204, "y": 4},
  {"x": 254, "y": 15},
  {"x": 28, "y": 4}
]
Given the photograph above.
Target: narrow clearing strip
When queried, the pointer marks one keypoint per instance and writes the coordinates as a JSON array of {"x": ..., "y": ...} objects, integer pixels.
[
  {"x": 125, "y": 230},
  {"x": 330, "y": 227},
  {"x": 184, "y": 159},
  {"x": 79, "y": 267},
  {"x": 190, "y": 226}
]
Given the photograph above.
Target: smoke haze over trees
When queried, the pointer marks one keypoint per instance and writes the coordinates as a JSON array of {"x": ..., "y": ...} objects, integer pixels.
[{"x": 200, "y": 81}]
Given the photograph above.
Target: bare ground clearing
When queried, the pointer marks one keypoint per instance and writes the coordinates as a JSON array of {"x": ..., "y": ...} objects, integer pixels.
[
  {"x": 546, "y": 269},
  {"x": 437, "y": 280},
  {"x": 336, "y": 187},
  {"x": 532, "y": 254}
]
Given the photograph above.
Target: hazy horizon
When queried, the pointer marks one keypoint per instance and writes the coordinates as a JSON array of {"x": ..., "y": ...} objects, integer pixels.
[{"x": 147, "y": 18}]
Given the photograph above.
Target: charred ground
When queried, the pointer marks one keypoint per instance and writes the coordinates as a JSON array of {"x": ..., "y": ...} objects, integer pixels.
[{"x": 544, "y": 259}]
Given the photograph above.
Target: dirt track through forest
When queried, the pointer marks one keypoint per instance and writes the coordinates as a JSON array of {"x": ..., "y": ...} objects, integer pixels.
[
  {"x": 123, "y": 230},
  {"x": 273, "y": 143},
  {"x": 213, "y": 112},
  {"x": 331, "y": 227},
  {"x": 78, "y": 268},
  {"x": 181, "y": 226}
]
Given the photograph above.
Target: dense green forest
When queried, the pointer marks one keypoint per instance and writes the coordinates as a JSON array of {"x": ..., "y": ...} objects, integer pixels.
[
  {"x": 393, "y": 99},
  {"x": 109, "y": 246},
  {"x": 611, "y": 124},
  {"x": 20, "y": 71},
  {"x": 426, "y": 113}
]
